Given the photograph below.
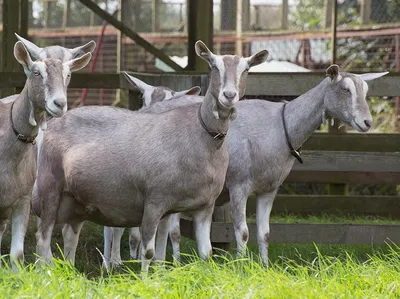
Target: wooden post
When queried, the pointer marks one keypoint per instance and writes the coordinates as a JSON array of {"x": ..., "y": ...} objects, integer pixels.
[
  {"x": 328, "y": 13},
  {"x": 119, "y": 50},
  {"x": 335, "y": 189},
  {"x": 397, "y": 99},
  {"x": 24, "y": 18},
  {"x": 365, "y": 11},
  {"x": 11, "y": 24},
  {"x": 200, "y": 27},
  {"x": 155, "y": 15},
  {"x": 220, "y": 215},
  {"x": 284, "y": 14},
  {"x": 239, "y": 42}
]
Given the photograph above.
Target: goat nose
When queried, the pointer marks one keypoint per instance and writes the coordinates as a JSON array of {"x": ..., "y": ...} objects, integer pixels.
[
  {"x": 368, "y": 123},
  {"x": 230, "y": 94},
  {"x": 60, "y": 103}
]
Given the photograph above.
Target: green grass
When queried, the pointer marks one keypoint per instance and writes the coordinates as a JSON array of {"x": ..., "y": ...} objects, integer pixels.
[
  {"x": 296, "y": 271},
  {"x": 323, "y": 277}
]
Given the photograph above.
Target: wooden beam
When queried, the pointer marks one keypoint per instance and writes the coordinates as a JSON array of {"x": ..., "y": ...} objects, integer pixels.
[
  {"x": 328, "y": 13},
  {"x": 365, "y": 11},
  {"x": 306, "y": 233},
  {"x": 285, "y": 14},
  {"x": 24, "y": 18},
  {"x": 344, "y": 177},
  {"x": 131, "y": 34},
  {"x": 305, "y": 205},
  {"x": 353, "y": 142},
  {"x": 155, "y": 15},
  {"x": 349, "y": 161},
  {"x": 298, "y": 83},
  {"x": 200, "y": 27},
  {"x": 315, "y": 233}
]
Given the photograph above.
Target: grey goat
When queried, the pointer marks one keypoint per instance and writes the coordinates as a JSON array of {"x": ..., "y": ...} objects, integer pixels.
[
  {"x": 44, "y": 91},
  {"x": 178, "y": 163},
  {"x": 260, "y": 157}
]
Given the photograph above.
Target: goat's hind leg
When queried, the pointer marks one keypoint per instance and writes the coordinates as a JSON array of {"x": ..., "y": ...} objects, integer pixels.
[
  {"x": 134, "y": 242},
  {"x": 71, "y": 238},
  {"x": 264, "y": 207},
  {"x": 151, "y": 218},
  {"x": 175, "y": 235}
]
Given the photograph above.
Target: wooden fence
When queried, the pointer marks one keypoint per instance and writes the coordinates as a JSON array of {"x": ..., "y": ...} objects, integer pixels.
[{"x": 329, "y": 158}]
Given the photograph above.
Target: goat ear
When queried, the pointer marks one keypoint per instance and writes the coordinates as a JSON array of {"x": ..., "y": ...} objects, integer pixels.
[
  {"x": 194, "y": 91},
  {"x": 137, "y": 83},
  {"x": 78, "y": 63},
  {"x": 31, "y": 47},
  {"x": 87, "y": 48},
  {"x": 258, "y": 58},
  {"x": 203, "y": 52},
  {"x": 22, "y": 55},
  {"x": 333, "y": 72},
  {"x": 372, "y": 76}
]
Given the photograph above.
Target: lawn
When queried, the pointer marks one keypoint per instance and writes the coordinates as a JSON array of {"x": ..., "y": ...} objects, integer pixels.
[{"x": 296, "y": 271}]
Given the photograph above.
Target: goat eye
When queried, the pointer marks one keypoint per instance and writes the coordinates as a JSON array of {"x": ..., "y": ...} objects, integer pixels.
[
  {"x": 36, "y": 73},
  {"x": 345, "y": 90}
]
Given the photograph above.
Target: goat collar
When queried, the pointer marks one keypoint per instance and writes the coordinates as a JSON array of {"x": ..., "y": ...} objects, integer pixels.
[
  {"x": 21, "y": 137},
  {"x": 294, "y": 153},
  {"x": 214, "y": 135}
]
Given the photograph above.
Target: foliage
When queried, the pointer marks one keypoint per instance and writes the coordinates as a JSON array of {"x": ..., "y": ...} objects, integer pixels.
[{"x": 306, "y": 14}]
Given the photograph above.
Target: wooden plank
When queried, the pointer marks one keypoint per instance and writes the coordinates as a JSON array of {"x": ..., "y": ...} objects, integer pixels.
[
  {"x": 371, "y": 142},
  {"x": 306, "y": 233},
  {"x": 350, "y": 177},
  {"x": 298, "y": 83},
  {"x": 384, "y": 206},
  {"x": 130, "y": 33},
  {"x": 317, "y": 233},
  {"x": 349, "y": 161},
  {"x": 365, "y": 11}
]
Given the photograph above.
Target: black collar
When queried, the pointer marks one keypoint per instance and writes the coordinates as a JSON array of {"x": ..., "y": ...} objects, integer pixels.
[
  {"x": 214, "y": 135},
  {"x": 21, "y": 137},
  {"x": 295, "y": 153}
]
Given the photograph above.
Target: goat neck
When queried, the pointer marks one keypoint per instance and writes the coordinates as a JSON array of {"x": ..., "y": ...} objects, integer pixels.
[
  {"x": 207, "y": 113},
  {"x": 24, "y": 113},
  {"x": 304, "y": 114}
]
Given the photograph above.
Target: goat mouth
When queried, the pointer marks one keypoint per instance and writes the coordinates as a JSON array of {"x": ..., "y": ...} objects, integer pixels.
[
  {"x": 356, "y": 126},
  {"x": 224, "y": 105},
  {"x": 53, "y": 113}
]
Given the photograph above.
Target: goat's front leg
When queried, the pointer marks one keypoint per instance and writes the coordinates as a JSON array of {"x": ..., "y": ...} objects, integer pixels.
[
  {"x": 162, "y": 238},
  {"x": 3, "y": 226},
  {"x": 202, "y": 227},
  {"x": 175, "y": 235},
  {"x": 134, "y": 241},
  {"x": 19, "y": 223},
  {"x": 151, "y": 218},
  {"x": 238, "y": 201},
  {"x": 71, "y": 238},
  {"x": 264, "y": 207}
]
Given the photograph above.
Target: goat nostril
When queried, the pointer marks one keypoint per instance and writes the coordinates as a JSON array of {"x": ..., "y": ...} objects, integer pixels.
[
  {"x": 59, "y": 103},
  {"x": 368, "y": 123},
  {"x": 230, "y": 94}
]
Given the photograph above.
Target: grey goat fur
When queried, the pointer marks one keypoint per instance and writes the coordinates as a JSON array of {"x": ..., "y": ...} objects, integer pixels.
[
  {"x": 259, "y": 157},
  {"x": 87, "y": 172},
  {"x": 44, "y": 91}
]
